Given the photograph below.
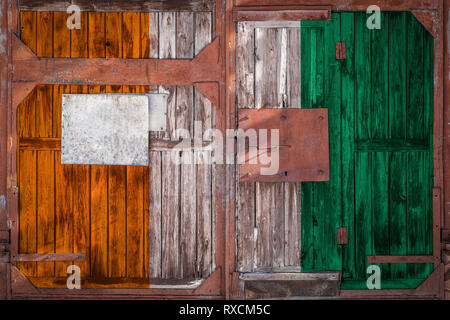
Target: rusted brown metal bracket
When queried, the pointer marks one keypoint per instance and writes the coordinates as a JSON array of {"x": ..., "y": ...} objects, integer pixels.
[
  {"x": 303, "y": 144},
  {"x": 203, "y": 72}
]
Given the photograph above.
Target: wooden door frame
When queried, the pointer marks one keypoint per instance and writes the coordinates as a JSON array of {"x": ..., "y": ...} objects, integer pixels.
[
  {"x": 15, "y": 54},
  {"x": 226, "y": 279},
  {"x": 430, "y": 14}
]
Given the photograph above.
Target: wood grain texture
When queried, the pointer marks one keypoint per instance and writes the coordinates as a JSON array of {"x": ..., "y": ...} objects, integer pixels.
[
  {"x": 117, "y": 5},
  {"x": 268, "y": 215}
]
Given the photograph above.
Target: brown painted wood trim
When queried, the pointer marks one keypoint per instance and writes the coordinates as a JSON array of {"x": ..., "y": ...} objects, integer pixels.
[
  {"x": 437, "y": 226},
  {"x": 400, "y": 259},
  {"x": 117, "y": 5},
  {"x": 50, "y": 257},
  {"x": 351, "y": 5},
  {"x": 54, "y": 144},
  {"x": 97, "y": 71},
  {"x": 446, "y": 102},
  {"x": 280, "y": 14},
  {"x": 426, "y": 18}
]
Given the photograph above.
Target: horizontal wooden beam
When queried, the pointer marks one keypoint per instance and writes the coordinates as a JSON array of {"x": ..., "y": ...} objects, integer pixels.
[
  {"x": 391, "y": 145},
  {"x": 280, "y": 14},
  {"x": 98, "y": 71},
  {"x": 352, "y": 5},
  {"x": 306, "y": 276},
  {"x": 54, "y": 144},
  {"x": 400, "y": 259},
  {"x": 50, "y": 257},
  {"x": 30, "y": 70},
  {"x": 118, "y": 5}
]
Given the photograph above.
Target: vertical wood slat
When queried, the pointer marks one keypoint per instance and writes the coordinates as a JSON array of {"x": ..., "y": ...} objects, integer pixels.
[
  {"x": 81, "y": 173},
  {"x": 184, "y": 120},
  {"x": 98, "y": 174},
  {"x": 204, "y": 113},
  {"x": 292, "y": 191},
  {"x": 155, "y": 183},
  {"x": 155, "y": 223},
  {"x": 27, "y": 159},
  {"x": 397, "y": 121},
  {"x": 145, "y": 53},
  {"x": 45, "y": 159},
  {"x": 117, "y": 178},
  {"x": 170, "y": 207},
  {"x": 63, "y": 173},
  {"x": 380, "y": 130},
  {"x": 135, "y": 175},
  {"x": 245, "y": 195},
  {"x": 268, "y": 196},
  {"x": 363, "y": 115},
  {"x": 348, "y": 156},
  {"x": 268, "y": 82}
]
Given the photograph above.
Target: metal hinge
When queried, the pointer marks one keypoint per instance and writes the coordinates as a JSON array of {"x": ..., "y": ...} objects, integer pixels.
[
  {"x": 341, "y": 51},
  {"x": 342, "y": 235}
]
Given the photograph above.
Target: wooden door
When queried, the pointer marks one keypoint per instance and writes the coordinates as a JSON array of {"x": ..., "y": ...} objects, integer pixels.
[{"x": 380, "y": 124}]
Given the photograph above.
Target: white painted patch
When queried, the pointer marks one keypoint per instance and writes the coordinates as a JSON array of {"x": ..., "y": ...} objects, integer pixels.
[
  {"x": 105, "y": 129},
  {"x": 157, "y": 112}
]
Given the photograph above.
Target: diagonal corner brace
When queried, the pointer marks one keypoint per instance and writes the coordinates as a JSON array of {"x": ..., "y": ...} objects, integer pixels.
[{"x": 29, "y": 70}]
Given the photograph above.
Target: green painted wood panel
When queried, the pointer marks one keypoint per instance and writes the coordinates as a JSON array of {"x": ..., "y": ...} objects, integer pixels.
[{"x": 380, "y": 101}]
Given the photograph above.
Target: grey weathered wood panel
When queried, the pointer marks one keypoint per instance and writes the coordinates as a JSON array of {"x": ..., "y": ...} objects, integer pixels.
[
  {"x": 268, "y": 214},
  {"x": 183, "y": 228}
]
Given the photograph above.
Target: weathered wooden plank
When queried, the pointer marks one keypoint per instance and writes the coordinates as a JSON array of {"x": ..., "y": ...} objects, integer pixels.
[
  {"x": 154, "y": 34},
  {"x": 27, "y": 110},
  {"x": 330, "y": 191},
  {"x": 245, "y": 62},
  {"x": 145, "y": 53},
  {"x": 416, "y": 232},
  {"x": 155, "y": 215},
  {"x": 63, "y": 212},
  {"x": 99, "y": 174},
  {"x": 397, "y": 129},
  {"x": 117, "y": 233},
  {"x": 81, "y": 173},
  {"x": 245, "y": 220},
  {"x": 204, "y": 113},
  {"x": 348, "y": 131},
  {"x": 270, "y": 232},
  {"x": 135, "y": 177},
  {"x": 293, "y": 87},
  {"x": 184, "y": 120},
  {"x": 28, "y": 206},
  {"x": 363, "y": 130},
  {"x": 269, "y": 197},
  {"x": 245, "y": 227},
  {"x": 63, "y": 173},
  {"x": 170, "y": 217},
  {"x": 170, "y": 185},
  {"x": 27, "y": 159},
  {"x": 135, "y": 220},
  {"x": 118, "y": 5},
  {"x": 292, "y": 191},
  {"x": 267, "y": 68},
  {"x": 44, "y": 48},
  {"x": 428, "y": 132},
  {"x": 45, "y": 209},
  {"x": 292, "y": 224},
  {"x": 69, "y": 257}
]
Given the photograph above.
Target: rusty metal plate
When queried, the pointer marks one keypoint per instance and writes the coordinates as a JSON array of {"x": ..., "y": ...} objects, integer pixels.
[{"x": 303, "y": 144}]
